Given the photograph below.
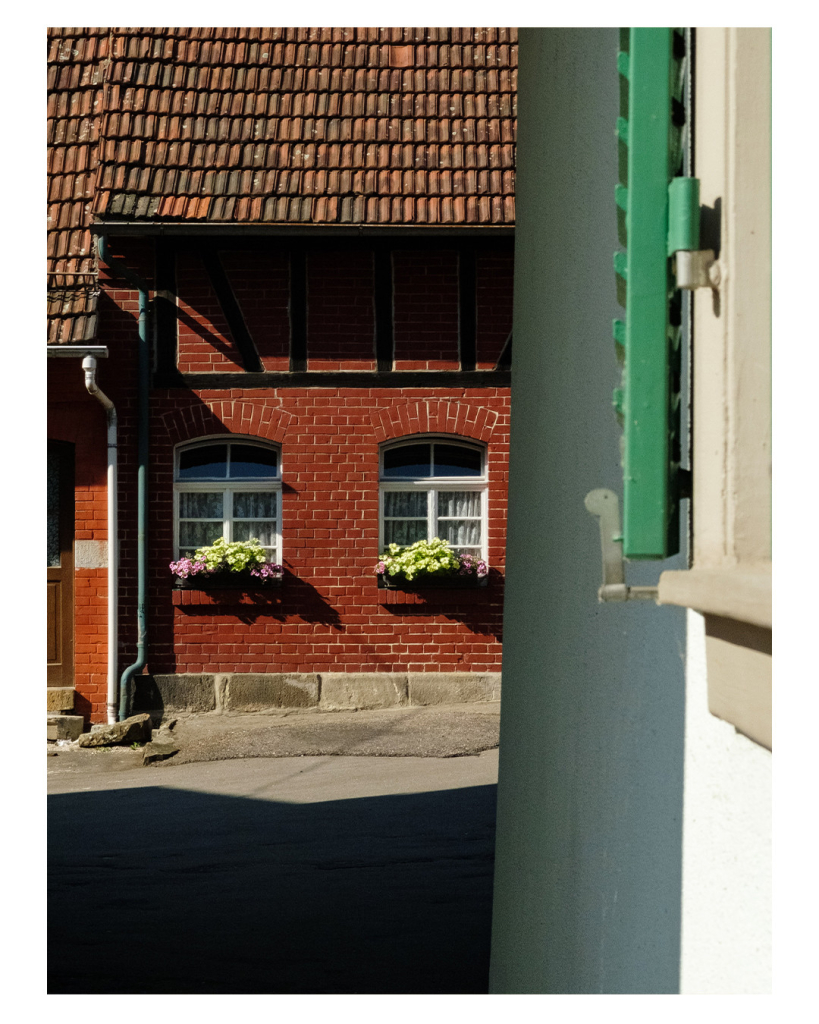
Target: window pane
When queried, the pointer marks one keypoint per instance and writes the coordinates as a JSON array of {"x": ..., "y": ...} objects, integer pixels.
[
  {"x": 206, "y": 463},
  {"x": 456, "y": 460},
  {"x": 410, "y": 461},
  {"x": 250, "y": 462},
  {"x": 254, "y": 505},
  {"x": 408, "y": 504},
  {"x": 200, "y": 506},
  {"x": 404, "y": 531},
  {"x": 196, "y": 535},
  {"x": 459, "y": 503},
  {"x": 248, "y": 529},
  {"x": 460, "y": 532}
]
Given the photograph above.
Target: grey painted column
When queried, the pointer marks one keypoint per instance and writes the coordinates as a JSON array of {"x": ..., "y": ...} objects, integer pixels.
[{"x": 587, "y": 877}]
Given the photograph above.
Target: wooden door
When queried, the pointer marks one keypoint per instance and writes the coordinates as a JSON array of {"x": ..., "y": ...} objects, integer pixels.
[{"x": 60, "y": 605}]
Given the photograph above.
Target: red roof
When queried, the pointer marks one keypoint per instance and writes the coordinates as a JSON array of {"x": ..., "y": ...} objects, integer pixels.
[{"x": 324, "y": 126}]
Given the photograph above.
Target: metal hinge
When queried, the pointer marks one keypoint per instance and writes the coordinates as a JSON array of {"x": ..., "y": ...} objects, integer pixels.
[
  {"x": 605, "y": 504},
  {"x": 693, "y": 267}
]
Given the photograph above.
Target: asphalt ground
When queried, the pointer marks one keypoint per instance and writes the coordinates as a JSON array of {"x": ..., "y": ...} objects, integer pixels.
[{"x": 346, "y": 852}]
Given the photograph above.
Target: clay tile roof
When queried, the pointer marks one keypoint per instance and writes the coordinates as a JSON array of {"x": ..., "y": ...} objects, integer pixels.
[
  {"x": 376, "y": 126},
  {"x": 71, "y": 313},
  {"x": 76, "y": 63},
  {"x": 251, "y": 103}
]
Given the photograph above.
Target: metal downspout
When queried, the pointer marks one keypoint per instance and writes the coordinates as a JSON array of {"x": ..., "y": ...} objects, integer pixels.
[
  {"x": 89, "y": 365},
  {"x": 142, "y": 471}
]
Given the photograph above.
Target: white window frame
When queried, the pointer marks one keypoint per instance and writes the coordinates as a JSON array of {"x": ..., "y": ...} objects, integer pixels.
[
  {"x": 227, "y": 488},
  {"x": 433, "y": 484}
]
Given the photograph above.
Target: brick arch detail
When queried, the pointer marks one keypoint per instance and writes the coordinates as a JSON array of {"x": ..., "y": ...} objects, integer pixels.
[
  {"x": 434, "y": 416},
  {"x": 227, "y": 417}
]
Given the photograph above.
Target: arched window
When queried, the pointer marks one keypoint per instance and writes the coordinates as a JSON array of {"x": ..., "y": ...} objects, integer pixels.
[
  {"x": 229, "y": 489},
  {"x": 434, "y": 487}
]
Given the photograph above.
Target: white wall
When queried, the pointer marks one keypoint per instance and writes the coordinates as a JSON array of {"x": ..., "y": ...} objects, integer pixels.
[
  {"x": 726, "y": 898},
  {"x": 588, "y": 850}
]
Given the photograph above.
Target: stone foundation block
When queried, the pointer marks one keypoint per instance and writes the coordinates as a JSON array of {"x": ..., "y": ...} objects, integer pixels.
[
  {"x": 363, "y": 690},
  {"x": 250, "y": 691},
  {"x": 178, "y": 692},
  {"x": 453, "y": 687}
]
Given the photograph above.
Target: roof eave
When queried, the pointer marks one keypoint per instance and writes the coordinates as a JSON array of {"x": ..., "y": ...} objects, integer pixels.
[{"x": 177, "y": 228}]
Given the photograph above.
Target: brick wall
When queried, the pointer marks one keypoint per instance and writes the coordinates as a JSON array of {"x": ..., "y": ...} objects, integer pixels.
[
  {"x": 340, "y": 311},
  {"x": 76, "y": 417},
  {"x": 425, "y": 288},
  {"x": 494, "y": 273},
  {"x": 329, "y": 614},
  {"x": 261, "y": 284}
]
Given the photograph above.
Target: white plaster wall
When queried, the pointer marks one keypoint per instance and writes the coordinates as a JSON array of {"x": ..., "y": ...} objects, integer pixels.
[{"x": 726, "y": 877}]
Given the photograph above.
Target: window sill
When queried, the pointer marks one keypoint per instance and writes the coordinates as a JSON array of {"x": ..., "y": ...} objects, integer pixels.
[
  {"x": 742, "y": 593},
  {"x": 736, "y": 605}
]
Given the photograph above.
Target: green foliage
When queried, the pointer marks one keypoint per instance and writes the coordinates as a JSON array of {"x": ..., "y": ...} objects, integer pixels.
[
  {"x": 234, "y": 556},
  {"x": 422, "y": 559}
]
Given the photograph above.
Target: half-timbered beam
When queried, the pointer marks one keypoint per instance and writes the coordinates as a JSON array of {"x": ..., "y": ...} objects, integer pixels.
[
  {"x": 233, "y": 314},
  {"x": 505, "y": 358},
  {"x": 337, "y": 379}
]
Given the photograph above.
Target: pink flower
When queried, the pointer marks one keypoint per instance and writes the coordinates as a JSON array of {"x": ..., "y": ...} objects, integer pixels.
[{"x": 267, "y": 570}]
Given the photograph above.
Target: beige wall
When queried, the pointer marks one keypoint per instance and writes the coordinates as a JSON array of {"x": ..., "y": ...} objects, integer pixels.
[{"x": 730, "y": 577}]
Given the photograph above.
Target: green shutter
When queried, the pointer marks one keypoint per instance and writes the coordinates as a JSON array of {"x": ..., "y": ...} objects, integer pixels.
[{"x": 647, "y": 342}]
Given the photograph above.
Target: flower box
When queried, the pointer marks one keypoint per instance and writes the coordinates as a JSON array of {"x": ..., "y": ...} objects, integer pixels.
[
  {"x": 456, "y": 582},
  {"x": 226, "y": 581}
]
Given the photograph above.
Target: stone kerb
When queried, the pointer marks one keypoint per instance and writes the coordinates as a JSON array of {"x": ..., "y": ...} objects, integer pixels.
[{"x": 250, "y": 692}]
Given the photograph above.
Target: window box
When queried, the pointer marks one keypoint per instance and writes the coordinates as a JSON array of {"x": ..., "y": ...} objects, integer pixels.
[
  {"x": 226, "y": 581},
  {"x": 433, "y": 583}
]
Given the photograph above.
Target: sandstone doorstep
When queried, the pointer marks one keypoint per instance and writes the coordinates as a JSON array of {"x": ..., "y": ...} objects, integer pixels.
[{"x": 60, "y": 698}]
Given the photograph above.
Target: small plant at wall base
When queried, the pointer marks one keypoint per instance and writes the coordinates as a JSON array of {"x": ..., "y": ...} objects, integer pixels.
[
  {"x": 428, "y": 561},
  {"x": 228, "y": 560}
]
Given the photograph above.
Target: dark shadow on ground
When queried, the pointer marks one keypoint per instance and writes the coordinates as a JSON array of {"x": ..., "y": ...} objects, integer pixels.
[{"x": 172, "y": 891}]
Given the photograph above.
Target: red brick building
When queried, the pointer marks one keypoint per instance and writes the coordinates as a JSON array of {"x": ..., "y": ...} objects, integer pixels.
[{"x": 317, "y": 225}]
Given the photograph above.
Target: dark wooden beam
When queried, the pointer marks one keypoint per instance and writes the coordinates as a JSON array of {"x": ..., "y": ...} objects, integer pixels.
[
  {"x": 467, "y": 312},
  {"x": 167, "y": 326},
  {"x": 233, "y": 314},
  {"x": 298, "y": 310},
  {"x": 337, "y": 379},
  {"x": 383, "y": 286}
]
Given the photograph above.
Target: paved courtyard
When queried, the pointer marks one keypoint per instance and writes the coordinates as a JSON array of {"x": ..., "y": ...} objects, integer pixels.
[{"x": 321, "y": 873}]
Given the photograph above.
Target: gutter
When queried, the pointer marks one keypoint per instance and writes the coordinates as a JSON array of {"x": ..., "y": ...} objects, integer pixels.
[
  {"x": 117, "y": 266},
  {"x": 89, "y": 365}
]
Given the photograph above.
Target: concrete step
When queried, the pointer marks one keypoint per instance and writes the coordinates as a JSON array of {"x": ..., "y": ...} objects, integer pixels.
[{"x": 64, "y": 727}]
